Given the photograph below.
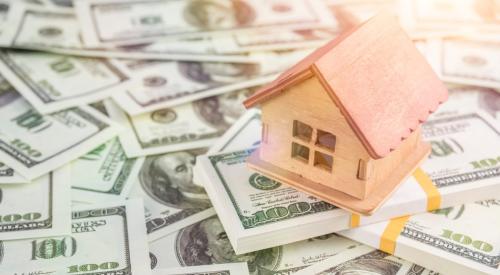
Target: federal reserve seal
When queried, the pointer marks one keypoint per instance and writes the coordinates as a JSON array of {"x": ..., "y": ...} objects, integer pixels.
[
  {"x": 262, "y": 183},
  {"x": 164, "y": 116}
]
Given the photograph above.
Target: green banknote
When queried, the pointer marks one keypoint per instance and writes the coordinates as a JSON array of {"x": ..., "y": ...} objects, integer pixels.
[{"x": 104, "y": 239}]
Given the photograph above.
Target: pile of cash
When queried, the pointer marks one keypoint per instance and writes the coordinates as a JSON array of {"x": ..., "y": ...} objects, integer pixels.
[{"x": 123, "y": 142}]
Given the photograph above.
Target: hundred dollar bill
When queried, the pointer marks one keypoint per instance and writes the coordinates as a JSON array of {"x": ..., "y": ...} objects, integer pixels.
[
  {"x": 214, "y": 269},
  {"x": 456, "y": 240},
  {"x": 118, "y": 22},
  {"x": 158, "y": 85},
  {"x": 192, "y": 125},
  {"x": 9, "y": 176},
  {"x": 171, "y": 199},
  {"x": 37, "y": 209},
  {"x": 364, "y": 260},
  {"x": 253, "y": 207},
  {"x": 467, "y": 62},
  {"x": 205, "y": 242},
  {"x": 53, "y": 82},
  {"x": 33, "y": 144},
  {"x": 450, "y": 16},
  {"x": 58, "y": 31},
  {"x": 466, "y": 99},
  {"x": 104, "y": 173},
  {"x": 104, "y": 239}
]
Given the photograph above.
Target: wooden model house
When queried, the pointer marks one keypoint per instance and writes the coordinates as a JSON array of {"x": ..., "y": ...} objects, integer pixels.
[{"x": 344, "y": 123}]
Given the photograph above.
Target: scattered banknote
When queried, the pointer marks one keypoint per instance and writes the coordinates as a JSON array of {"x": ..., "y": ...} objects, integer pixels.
[
  {"x": 364, "y": 260},
  {"x": 171, "y": 199},
  {"x": 215, "y": 269},
  {"x": 33, "y": 144},
  {"x": 104, "y": 239},
  {"x": 58, "y": 31},
  {"x": 9, "y": 176},
  {"x": 104, "y": 174},
  {"x": 449, "y": 17},
  {"x": 37, "y": 209},
  {"x": 113, "y": 22},
  {"x": 205, "y": 242},
  {"x": 52, "y": 82},
  {"x": 468, "y": 62},
  {"x": 157, "y": 85},
  {"x": 454, "y": 240},
  {"x": 464, "y": 99},
  {"x": 192, "y": 125},
  {"x": 253, "y": 207}
]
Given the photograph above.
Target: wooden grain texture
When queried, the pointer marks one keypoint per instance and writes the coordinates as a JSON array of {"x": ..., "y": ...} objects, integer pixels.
[
  {"x": 385, "y": 87},
  {"x": 377, "y": 78},
  {"x": 309, "y": 103},
  {"x": 368, "y": 206}
]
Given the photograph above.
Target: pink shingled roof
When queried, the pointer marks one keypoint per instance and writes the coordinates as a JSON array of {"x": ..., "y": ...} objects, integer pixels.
[{"x": 375, "y": 75}]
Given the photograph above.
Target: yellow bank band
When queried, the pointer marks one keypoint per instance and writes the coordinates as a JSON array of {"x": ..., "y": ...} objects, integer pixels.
[
  {"x": 391, "y": 234},
  {"x": 433, "y": 196},
  {"x": 432, "y": 193},
  {"x": 355, "y": 220}
]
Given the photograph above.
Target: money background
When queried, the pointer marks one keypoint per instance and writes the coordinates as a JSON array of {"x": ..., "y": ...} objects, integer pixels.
[{"x": 106, "y": 105}]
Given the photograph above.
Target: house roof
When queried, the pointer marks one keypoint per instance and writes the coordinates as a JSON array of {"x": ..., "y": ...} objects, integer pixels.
[{"x": 377, "y": 78}]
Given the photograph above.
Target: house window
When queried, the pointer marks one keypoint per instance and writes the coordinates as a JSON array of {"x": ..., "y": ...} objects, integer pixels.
[
  {"x": 302, "y": 130},
  {"x": 323, "y": 161},
  {"x": 300, "y": 152},
  {"x": 325, "y": 140},
  {"x": 308, "y": 140}
]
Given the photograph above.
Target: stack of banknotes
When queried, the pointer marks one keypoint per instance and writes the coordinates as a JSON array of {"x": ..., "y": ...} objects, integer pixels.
[{"x": 123, "y": 142}]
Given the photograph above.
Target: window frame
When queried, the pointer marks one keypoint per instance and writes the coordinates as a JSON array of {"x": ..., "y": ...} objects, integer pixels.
[{"x": 313, "y": 147}]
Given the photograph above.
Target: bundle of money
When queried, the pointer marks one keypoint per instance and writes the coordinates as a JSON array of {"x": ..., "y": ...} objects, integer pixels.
[
  {"x": 454, "y": 240},
  {"x": 255, "y": 208},
  {"x": 123, "y": 142}
]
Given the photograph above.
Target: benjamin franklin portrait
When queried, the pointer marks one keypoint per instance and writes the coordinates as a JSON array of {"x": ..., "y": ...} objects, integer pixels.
[
  {"x": 216, "y": 14},
  {"x": 168, "y": 179},
  {"x": 206, "y": 243},
  {"x": 223, "y": 110}
]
